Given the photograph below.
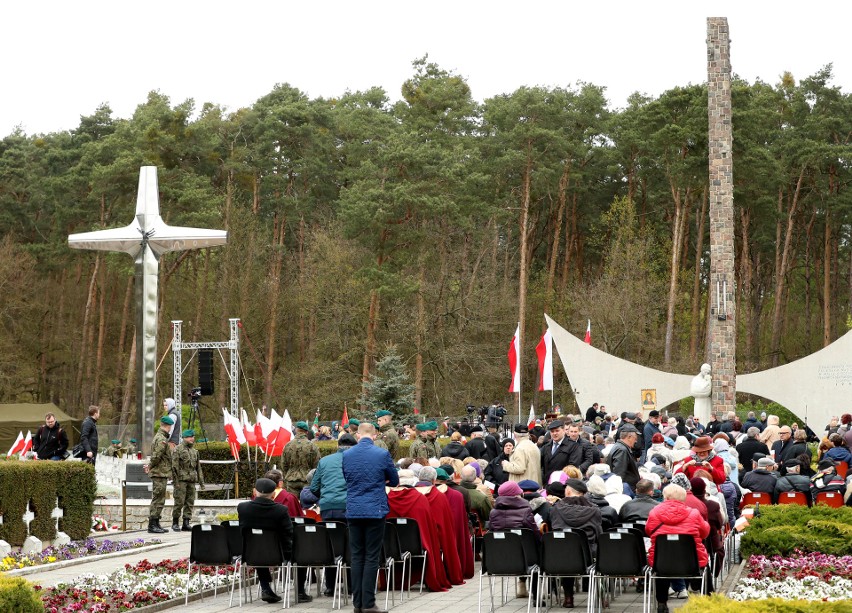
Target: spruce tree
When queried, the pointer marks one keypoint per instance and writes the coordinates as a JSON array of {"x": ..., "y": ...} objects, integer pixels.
[{"x": 389, "y": 387}]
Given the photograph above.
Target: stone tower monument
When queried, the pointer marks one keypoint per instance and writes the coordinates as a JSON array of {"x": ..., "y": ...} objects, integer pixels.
[{"x": 722, "y": 326}]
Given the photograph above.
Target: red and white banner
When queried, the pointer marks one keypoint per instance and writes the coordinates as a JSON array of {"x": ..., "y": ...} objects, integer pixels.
[
  {"x": 281, "y": 434},
  {"x": 17, "y": 446},
  {"x": 588, "y": 339},
  {"x": 28, "y": 443},
  {"x": 544, "y": 351},
  {"x": 531, "y": 418},
  {"x": 515, "y": 361},
  {"x": 248, "y": 430},
  {"x": 234, "y": 433}
]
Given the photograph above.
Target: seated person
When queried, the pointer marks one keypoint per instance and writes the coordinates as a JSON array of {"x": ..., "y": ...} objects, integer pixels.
[
  {"x": 578, "y": 512},
  {"x": 639, "y": 508},
  {"x": 511, "y": 511},
  {"x": 826, "y": 479},
  {"x": 793, "y": 481},
  {"x": 672, "y": 516},
  {"x": 763, "y": 478}
]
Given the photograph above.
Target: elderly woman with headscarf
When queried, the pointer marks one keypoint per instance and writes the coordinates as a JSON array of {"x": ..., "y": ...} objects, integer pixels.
[
  {"x": 659, "y": 447},
  {"x": 615, "y": 495},
  {"x": 670, "y": 429},
  {"x": 512, "y": 511},
  {"x": 729, "y": 456},
  {"x": 597, "y": 495},
  {"x": 494, "y": 471}
]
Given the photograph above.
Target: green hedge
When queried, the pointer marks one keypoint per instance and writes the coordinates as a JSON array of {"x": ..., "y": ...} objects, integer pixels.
[
  {"x": 720, "y": 604},
  {"x": 18, "y": 596},
  {"x": 40, "y": 484},
  {"x": 781, "y": 529}
]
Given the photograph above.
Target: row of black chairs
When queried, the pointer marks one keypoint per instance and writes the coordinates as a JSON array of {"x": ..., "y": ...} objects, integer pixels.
[
  {"x": 316, "y": 546},
  {"x": 566, "y": 554}
]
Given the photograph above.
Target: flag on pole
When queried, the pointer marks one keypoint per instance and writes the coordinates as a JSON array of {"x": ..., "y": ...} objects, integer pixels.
[
  {"x": 531, "y": 418},
  {"x": 282, "y": 435},
  {"x": 17, "y": 446},
  {"x": 588, "y": 339},
  {"x": 515, "y": 361},
  {"x": 544, "y": 351},
  {"x": 234, "y": 433},
  {"x": 248, "y": 430},
  {"x": 315, "y": 425},
  {"x": 28, "y": 443},
  {"x": 345, "y": 419}
]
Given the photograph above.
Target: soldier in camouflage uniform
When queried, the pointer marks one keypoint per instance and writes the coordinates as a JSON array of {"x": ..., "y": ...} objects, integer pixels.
[
  {"x": 115, "y": 450},
  {"x": 159, "y": 468},
  {"x": 389, "y": 437},
  {"x": 187, "y": 472},
  {"x": 426, "y": 446},
  {"x": 132, "y": 448},
  {"x": 299, "y": 457}
]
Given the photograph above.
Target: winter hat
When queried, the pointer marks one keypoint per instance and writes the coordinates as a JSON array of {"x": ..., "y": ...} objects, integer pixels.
[
  {"x": 721, "y": 445},
  {"x": 557, "y": 489},
  {"x": 557, "y": 476},
  {"x": 407, "y": 477},
  {"x": 265, "y": 486},
  {"x": 578, "y": 486},
  {"x": 699, "y": 487},
  {"x": 681, "y": 480},
  {"x": 170, "y": 402},
  {"x": 528, "y": 485},
  {"x": 595, "y": 485},
  {"x": 614, "y": 485},
  {"x": 510, "y": 488}
]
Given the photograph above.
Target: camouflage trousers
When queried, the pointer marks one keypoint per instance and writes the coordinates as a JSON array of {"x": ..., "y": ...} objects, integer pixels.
[
  {"x": 184, "y": 499},
  {"x": 158, "y": 499}
]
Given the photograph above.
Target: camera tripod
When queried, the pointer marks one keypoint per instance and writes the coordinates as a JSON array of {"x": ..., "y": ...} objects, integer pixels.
[{"x": 195, "y": 414}]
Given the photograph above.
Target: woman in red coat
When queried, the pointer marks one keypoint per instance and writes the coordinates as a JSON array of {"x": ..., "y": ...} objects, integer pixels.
[
  {"x": 674, "y": 517},
  {"x": 704, "y": 458}
]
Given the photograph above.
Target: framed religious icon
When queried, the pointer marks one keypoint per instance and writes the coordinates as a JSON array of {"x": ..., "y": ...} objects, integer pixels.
[{"x": 649, "y": 399}]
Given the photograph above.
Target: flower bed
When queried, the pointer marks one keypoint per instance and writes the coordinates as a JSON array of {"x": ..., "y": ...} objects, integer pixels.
[
  {"x": 802, "y": 576},
  {"x": 132, "y": 587},
  {"x": 719, "y": 604},
  {"x": 74, "y": 550}
]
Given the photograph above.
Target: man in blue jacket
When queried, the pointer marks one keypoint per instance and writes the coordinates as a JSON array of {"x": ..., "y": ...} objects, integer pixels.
[
  {"x": 366, "y": 470},
  {"x": 329, "y": 486}
]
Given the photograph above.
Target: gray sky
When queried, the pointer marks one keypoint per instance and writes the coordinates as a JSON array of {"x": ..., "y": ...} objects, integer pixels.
[{"x": 62, "y": 59}]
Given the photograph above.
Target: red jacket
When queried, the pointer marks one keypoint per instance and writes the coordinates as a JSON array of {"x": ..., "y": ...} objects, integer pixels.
[
  {"x": 674, "y": 517},
  {"x": 717, "y": 472}
]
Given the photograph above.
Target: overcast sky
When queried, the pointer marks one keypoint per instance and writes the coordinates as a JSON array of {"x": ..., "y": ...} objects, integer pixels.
[{"x": 62, "y": 59}]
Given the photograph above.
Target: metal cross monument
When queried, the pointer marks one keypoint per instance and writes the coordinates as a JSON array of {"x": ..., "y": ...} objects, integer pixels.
[{"x": 146, "y": 239}]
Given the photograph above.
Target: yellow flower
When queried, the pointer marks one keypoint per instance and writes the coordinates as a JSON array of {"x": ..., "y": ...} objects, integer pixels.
[{"x": 51, "y": 558}]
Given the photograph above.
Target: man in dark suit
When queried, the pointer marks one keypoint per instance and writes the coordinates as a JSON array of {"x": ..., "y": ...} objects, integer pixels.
[
  {"x": 264, "y": 513},
  {"x": 560, "y": 451}
]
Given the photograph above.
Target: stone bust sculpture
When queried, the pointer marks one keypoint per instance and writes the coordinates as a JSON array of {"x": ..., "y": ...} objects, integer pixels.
[{"x": 700, "y": 389}]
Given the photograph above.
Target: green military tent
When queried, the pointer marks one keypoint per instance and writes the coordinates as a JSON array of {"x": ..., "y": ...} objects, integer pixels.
[{"x": 15, "y": 418}]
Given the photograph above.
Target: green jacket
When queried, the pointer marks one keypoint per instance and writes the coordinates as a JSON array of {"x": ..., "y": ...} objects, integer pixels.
[
  {"x": 161, "y": 456},
  {"x": 390, "y": 439},
  {"x": 422, "y": 448},
  {"x": 186, "y": 464},
  {"x": 300, "y": 457}
]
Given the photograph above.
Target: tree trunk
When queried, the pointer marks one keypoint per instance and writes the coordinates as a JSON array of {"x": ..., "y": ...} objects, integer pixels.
[
  {"x": 373, "y": 318},
  {"x": 301, "y": 286},
  {"x": 278, "y": 232},
  {"x": 84, "y": 340},
  {"x": 421, "y": 339},
  {"x": 96, "y": 386},
  {"x": 124, "y": 417},
  {"x": 826, "y": 283},
  {"x": 122, "y": 331},
  {"x": 522, "y": 276},
  {"x": 782, "y": 269},
  {"x": 557, "y": 233},
  {"x": 677, "y": 242}
]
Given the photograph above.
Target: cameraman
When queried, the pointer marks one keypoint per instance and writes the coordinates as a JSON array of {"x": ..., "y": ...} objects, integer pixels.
[{"x": 171, "y": 408}]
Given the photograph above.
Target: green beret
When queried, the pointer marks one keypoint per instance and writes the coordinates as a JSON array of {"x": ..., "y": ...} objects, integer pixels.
[
  {"x": 354, "y": 422},
  {"x": 133, "y": 440},
  {"x": 442, "y": 474},
  {"x": 422, "y": 427},
  {"x": 345, "y": 426},
  {"x": 168, "y": 420},
  {"x": 432, "y": 425},
  {"x": 382, "y": 413},
  {"x": 302, "y": 425},
  {"x": 375, "y": 424},
  {"x": 188, "y": 433},
  {"x": 115, "y": 441}
]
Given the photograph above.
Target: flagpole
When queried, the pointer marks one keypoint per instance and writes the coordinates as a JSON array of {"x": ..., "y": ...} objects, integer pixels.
[{"x": 520, "y": 336}]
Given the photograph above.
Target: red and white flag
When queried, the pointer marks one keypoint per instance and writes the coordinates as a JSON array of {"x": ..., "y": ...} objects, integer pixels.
[
  {"x": 588, "y": 339},
  {"x": 234, "y": 433},
  {"x": 531, "y": 418},
  {"x": 17, "y": 446},
  {"x": 544, "y": 351},
  {"x": 28, "y": 443},
  {"x": 282, "y": 434},
  {"x": 515, "y": 361},
  {"x": 248, "y": 430},
  {"x": 345, "y": 419}
]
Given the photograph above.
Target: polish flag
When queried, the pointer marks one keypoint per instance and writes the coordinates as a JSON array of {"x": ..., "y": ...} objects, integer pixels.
[
  {"x": 345, "y": 419},
  {"x": 531, "y": 418},
  {"x": 17, "y": 446},
  {"x": 544, "y": 351},
  {"x": 275, "y": 424},
  {"x": 28, "y": 443},
  {"x": 248, "y": 430},
  {"x": 515, "y": 361},
  {"x": 588, "y": 339},
  {"x": 234, "y": 433},
  {"x": 282, "y": 435},
  {"x": 262, "y": 429}
]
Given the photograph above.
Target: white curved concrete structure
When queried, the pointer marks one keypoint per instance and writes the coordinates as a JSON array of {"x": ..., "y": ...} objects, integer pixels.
[{"x": 814, "y": 387}]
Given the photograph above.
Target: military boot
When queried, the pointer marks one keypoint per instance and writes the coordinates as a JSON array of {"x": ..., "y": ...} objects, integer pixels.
[
  {"x": 186, "y": 527},
  {"x": 175, "y": 525},
  {"x": 154, "y": 526}
]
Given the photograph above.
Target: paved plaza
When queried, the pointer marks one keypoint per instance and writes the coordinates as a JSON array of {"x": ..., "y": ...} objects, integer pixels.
[{"x": 459, "y": 598}]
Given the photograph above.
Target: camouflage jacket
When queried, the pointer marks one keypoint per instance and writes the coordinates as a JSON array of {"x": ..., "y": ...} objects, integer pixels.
[
  {"x": 161, "y": 456},
  {"x": 114, "y": 452},
  {"x": 423, "y": 448},
  {"x": 300, "y": 456},
  {"x": 186, "y": 466},
  {"x": 390, "y": 439}
]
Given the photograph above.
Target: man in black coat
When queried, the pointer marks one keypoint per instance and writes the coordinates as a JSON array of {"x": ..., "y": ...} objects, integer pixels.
[
  {"x": 559, "y": 452},
  {"x": 621, "y": 460},
  {"x": 783, "y": 448},
  {"x": 750, "y": 446},
  {"x": 89, "y": 435},
  {"x": 265, "y": 514},
  {"x": 639, "y": 508},
  {"x": 763, "y": 478},
  {"x": 476, "y": 445},
  {"x": 50, "y": 441},
  {"x": 592, "y": 413}
]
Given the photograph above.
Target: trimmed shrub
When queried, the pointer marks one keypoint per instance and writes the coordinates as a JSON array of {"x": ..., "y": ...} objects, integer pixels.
[
  {"x": 18, "y": 596},
  {"x": 719, "y": 604},
  {"x": 40, "y": 484},
  {"x": 781, "y": 529}
]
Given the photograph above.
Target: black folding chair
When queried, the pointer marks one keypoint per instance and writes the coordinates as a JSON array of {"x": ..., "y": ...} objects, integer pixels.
[
  {"x": 504, "y": 555},
  {"x": 675, "y": 557},
  {"x": 338, "y": 537},
  {"x": 208, "y": 546},
  {"x": 395, "y": 555},
  {"x": 566, "y": 554},
  {"x": 311, "y": 550},
  {"x": 310, "y": 521},
  {"x": 621, "y": 555},
  {"x": 261, "y": 549},
  {"x": 408, "y": 534},
  {"x": 235, "y": 539}
]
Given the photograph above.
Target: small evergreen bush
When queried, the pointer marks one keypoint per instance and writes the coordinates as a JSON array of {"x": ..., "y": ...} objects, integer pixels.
[
  {"x": 18, "y": 596},
  {"x": 781, "y": 529}
]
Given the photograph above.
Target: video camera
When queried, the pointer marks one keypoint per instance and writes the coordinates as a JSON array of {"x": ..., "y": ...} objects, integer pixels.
[{"x": 194, "y": 394}]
